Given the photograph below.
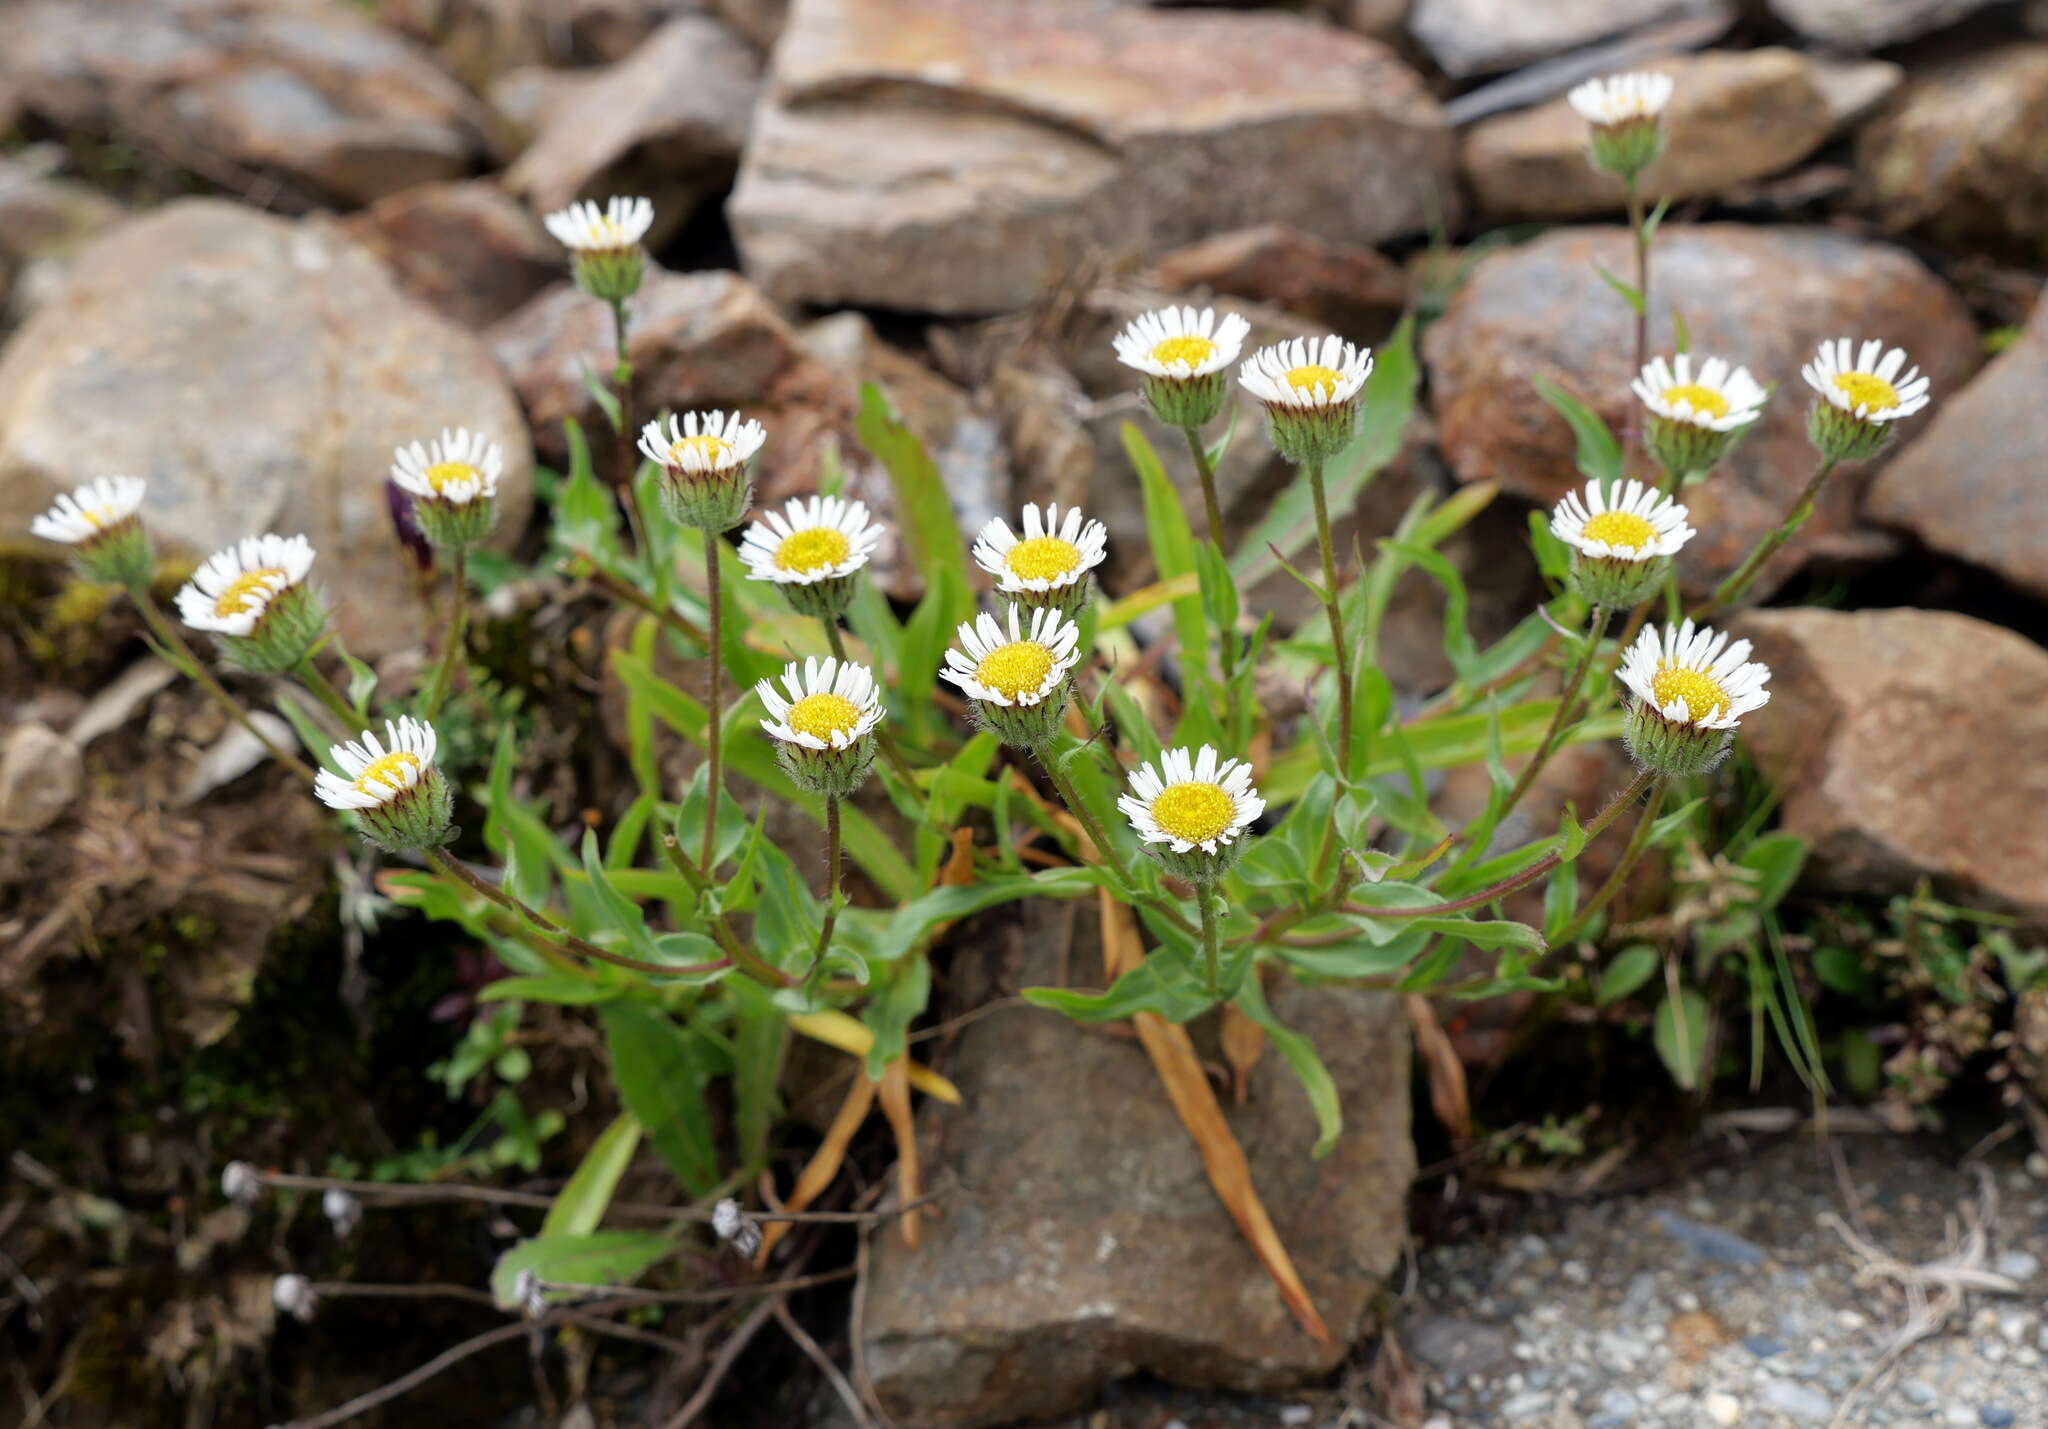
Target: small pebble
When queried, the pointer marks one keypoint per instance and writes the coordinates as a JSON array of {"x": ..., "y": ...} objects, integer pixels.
[
  {"x": 1293, "y": 1414},
  {"x": 1524, "y": 1405},
  {"x": 1575, "y": 1271},
  {"x": 2017, "y": 1264},
  {"x": 1709, "y": 1241},
  {"x": 1763, "y": 1346},
  {"x": 1799, "y": 1401},
  {"x": 1992, "y": 1417},
  {"x": 1918, "y": 1391},
  {"x": 1958, "y": 1415},
  {"x": 1724, "y": 1408}
]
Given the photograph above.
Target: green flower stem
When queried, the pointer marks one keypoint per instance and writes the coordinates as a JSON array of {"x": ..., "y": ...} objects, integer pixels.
[
  {"x": 1539, "y": 869},
  {"x": 832, "y": 883},
  {"x": 1104, "y": 849},
  {"x": 628, "y": 457},
  {"x": 1207, "y": 471},
  {"x": 1326, "y": 545},
  {"x": 1566, "y": 698},
  {"x": 322, "y": 689},
  {"x": 632, "y": 595},
  {"x": 713, "y": 729},
  {"x": 1637, "y": 842},
  {"x": 458, "y": 629},
  {"x": 721, "y": 930},
  {"x": 195, "y": 670},
  {"x": 1642, "y": 334},
  {"x": 553, "y": 932},
  {"x": 1212, "y": 956},
  {"x": 1730, "y": 590}
]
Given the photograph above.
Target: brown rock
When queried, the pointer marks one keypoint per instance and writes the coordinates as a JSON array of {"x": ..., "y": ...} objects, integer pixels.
[
  {"x": 1871, "y": 24},
  {"x": 482, "y": 39},
  {"x": 760, "y": 20},
  {"x": 950, "y": 156},
  {"x": 258, "y": 374},
  {"x": 1854, "y": 89},
  {"x": 1909, "y": 744},
  {"x": 470, "y": 251},
  {"x": 42, "y": 216},
  {"x": 1970, "y": 483},
  {"x": 1467, "y": 37},
  {"x": 1093, "y": 1247},
  {"x": 1765, "y": 298},
  {"x": 317, "y": 92},
  {"x": 1352, "y": 291},
  {"x": 666, "y": 122},
  {"x": 1384, "y": 20},
  {"x": 40, "y": 775},
  {"x": 1735, "y": 116},
  {"x": 1958, "y": 156}
]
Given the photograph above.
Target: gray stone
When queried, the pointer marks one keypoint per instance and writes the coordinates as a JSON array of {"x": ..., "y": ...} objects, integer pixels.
[
  {"x": 479, "y": 40},
  {"x": 1854, "y": 89},
  {"x": 1468, "y": 37},
  {"x": 317, "y": 93},
  {"x": 1092, "y": 1245},
  {"x": 1709, "y": 1241},
  {"x": 1453, "y": 1345},
  {"x": 1800, "y": 1401},
  {"x": 1863, "y": 25},
  {"x": 258, "y": 374},
  {"x": 668, "y": 122},
  {"x": 1909, "y": 745},
  {"x": 40, "y": 776},
  {"x": 470, "y": 251},
  {"x": 1765, "y": 298},
  {"x": 975, "y": 170}
]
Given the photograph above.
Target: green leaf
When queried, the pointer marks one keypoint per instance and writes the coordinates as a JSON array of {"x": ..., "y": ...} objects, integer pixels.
[
  {"x": 1840, "y": 970},
  {"x": 661, "y": 1075},
  {"x": 606, "y": 399},
  {"x": 897, "y": 1004},
  {"x": 1166, "y": 982},
  {"x": 759, "y": 1035},
  {"x": 1629, "y": 293},
  {"x": 581, "y": 1204},
  {"x": 586, "y": 516},
  {"x": 601, "y": 1258},
  {"x": 1632, "y": 967},
  {"x": 924, "y": 512},
  {"x": 1599, "y": 452},
  {"x": 620, "y": 915},
  {"x": 1680, "y": 1034},
  {"x": 1683, "y": 339},
  {"x": 1219, "y": 590},
  {"x": 1384, "y": 409},
  {"x": 1300, "y": 1053},
  {"x": 517, "y": 834},
  {"x": 1173, "y": 541},
  {"x": 561, "y": 989},
  {"x": 1862, "y": 1062},
  {"x": 1776, "y": 859},
  {"x": 362, "y": 682},
  {"x": 911, "y": 923}
]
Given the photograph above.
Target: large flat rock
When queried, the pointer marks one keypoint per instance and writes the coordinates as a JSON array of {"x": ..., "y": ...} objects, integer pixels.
[
  {"x": 951, "y": 156},
  {"x": 1468, "y": 37},
  {"x": 1090, "y": 1245},
  {"x": 1765, "y": 298},
  {"x": 1909, "y": 744},
  {"x": 258, "y": 374}
]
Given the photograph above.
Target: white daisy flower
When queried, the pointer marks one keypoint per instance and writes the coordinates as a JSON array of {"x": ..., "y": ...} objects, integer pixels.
[
  {"x": 1050, "y": 562},
  {"x": 1629, "y": 522},
  {"x": 1192, "y": 802},
  {"x": 373, "y": 773},
  {"x": 1691, "y": 675},
  {"x": 232, "y": 592},
  {"x": 458, "y": 467},
  {"x": 1024, "y": 666},
  {"x": 1619, "y": 98},
  {"x": 1181, "y": 343},
  {"x": 829, "y": 705},
  {"x": 702, "y": 442},
  {"x": 1718, "y": 396},
  {"x": 1306, "y": 373},
  {"x": 1872, "y": 385},
  {"x": 81, "y": 516},
  {"x": 586, "y": 228},
  {"x": 812, "y": 539}
]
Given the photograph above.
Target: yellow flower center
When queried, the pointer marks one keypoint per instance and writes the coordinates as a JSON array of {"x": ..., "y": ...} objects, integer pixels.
[
  {"x": 96, "y": 516},
  {"x": 817, "y": 549},
  {"x": 1701, "y": 399},
  {"x": 1194, "y": 351},
  {"x": 606, "y": 234},
  {"x": 244, "y": 590},
  {"x": 1702, "y": 693},
  {"x": 380, "y": 776},
  {"x": 1867, "y": 390},
  {"x": 443, "y": 474},
  {"x": 715, "y": 451},
  {"x": 823, "y": 715},
  {"x": 1195, "y": 812},
  {"x": 1315, "y": 375},
  {"x": 1013, "y": 669},
  {"x": 1622, "y": 529},
  {"x": 1043, "y": 558}
]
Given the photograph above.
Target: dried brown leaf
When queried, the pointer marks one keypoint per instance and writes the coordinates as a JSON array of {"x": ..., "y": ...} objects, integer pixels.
[
  {"x": 895, "y": 1094},
  {"x": 1448, "y": 1095},
  {"x": 824, "y": 1164}
]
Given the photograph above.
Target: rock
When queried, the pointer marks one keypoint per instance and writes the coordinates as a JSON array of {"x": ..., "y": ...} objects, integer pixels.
[
  {"x": 1735, "y": 116},
  {"x": 1452, "y": 1345},
  {"x": 1350, "y": 290},
  {"x": 257, "y": 373},
  {"x": 1093, "y": 1245},
  {"x": 1956, "y": 157},
  {"x": 760, "y": 20},
  {"x": 1910, "y": 744},
  {"x": 1871, "y": 24},
  {"x": 1384, "y": 20},
  {"x": 482, "y": 39},
  {"x": 1801, "y": 1402},
  {"x": 1468, "y": 37},
  {"x": 974, "y": 170},
  {"x": 1762, "y": 297},
  {"x": 1969, "y": 483},
  {"x": 667, "y": 122},
  {"x": 40, "y": 776},
  {"x": 1709, "y": 1242},
  {"x": 42, "y": 216},
  {"x": 1853, "y": 89},
  {"x": 470, "y": 251},
  {"x": 965, "y": 441},
  {"x": 317, "y": 92}
]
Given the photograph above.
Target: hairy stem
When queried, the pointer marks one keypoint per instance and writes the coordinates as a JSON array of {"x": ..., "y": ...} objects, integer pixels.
[
  {"x": 721, "y": 930},
  {"x": 322, "y": 689},
  {"x": 1567, "y": 697},
  {"x": 1642, "y": 330},
  {"x": 196, "y": 670},
  {"x": 1206, "y": 470},
  {"x": 611, "y": 585},
  {"x": 832, "y": 884},
  {"x": 458, "y": 627},
  {"x": 1212, "y": 955},
  {"x": 1104, "y": 849},
  {"x": 554, "y": 932},
  {"x": 714, "y": 727},
  {"x": 1327, "y": 546},
  {"x": 1638, "y": 841},
  {"x": 1730, "y": 590}
]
